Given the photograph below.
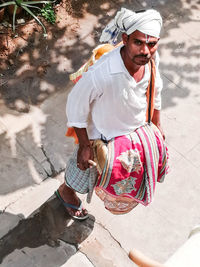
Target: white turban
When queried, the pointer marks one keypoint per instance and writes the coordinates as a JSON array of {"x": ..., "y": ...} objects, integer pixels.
[{"x": 148, "y": 22}]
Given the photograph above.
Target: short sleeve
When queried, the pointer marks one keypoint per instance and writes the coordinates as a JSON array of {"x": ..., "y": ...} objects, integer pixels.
[{"x": 79, "y": 101}]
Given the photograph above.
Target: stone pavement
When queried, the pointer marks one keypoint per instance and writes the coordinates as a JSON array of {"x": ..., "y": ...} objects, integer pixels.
[{"x": 34, "y": 229}]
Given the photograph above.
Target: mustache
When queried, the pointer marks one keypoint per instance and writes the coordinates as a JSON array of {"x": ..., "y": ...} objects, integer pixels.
[{"x": 143, "y": 55}]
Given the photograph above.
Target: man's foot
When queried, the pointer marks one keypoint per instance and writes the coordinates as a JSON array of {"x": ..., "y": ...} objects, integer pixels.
[{"x": 71, "y": 202}]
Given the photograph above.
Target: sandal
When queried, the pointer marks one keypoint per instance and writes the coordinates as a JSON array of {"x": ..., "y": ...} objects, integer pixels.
[{"x": 67, "y": 205}]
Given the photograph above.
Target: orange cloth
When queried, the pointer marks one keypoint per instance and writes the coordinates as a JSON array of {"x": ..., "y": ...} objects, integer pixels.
[{"x": 71, "y": 133}]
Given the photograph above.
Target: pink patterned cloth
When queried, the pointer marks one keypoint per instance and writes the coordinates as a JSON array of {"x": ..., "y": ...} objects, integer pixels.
[{"x": 135, "y": 162}]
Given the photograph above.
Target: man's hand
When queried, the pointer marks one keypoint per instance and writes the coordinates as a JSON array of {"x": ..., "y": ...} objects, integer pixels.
[
  {"x": 156, "y": 121},
  {"x": 85, "y": 153},
  {"x": 161, "y": 130}
]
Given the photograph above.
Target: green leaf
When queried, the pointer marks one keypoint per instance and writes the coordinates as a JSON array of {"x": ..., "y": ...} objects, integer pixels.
[
  {"x": 18, "y": 2},
  {"x": 14, "y": 15},
  {"x": 48, "y": 13},
  {"x": 37, "y": 2},
  {"x": 31, "y": 6},
  {"x": 8, "y": 4},
  {"x": 36, "y": 18}
]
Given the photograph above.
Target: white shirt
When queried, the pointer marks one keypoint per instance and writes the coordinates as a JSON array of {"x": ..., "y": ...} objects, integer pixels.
[{"x": 107, "y": 100}]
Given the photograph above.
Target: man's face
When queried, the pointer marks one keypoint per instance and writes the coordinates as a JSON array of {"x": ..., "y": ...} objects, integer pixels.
[{"x": 139, "y": 47}]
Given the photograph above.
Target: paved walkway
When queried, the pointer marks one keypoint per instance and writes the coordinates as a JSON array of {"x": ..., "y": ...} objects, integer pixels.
[{"x": 37, "y": 232}]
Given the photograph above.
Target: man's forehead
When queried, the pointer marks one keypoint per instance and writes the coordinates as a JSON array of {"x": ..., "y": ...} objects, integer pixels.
[{"x": 143, "y": 37}]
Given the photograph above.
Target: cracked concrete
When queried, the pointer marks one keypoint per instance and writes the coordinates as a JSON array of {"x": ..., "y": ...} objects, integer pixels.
[
  {"x": 103, "y": 250},
  {"x": 43, "y": 227},
  {"x": 103, "y": 226},
  {"x": 53, "y": 171},
  {"x": 79, "y": 259},
  {"x": 25, "y": 184},
  {"x": 32, "y": 182},
  {"x": 35, "y": 165},
  {"x": 40, "y": 256},
  {"x": 50, "y": 227}
]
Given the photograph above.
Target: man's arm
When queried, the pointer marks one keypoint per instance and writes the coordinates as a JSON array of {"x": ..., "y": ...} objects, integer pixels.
[
  {"x": 85, "y": 151},
  {"x": 156, "y": 121},
  {"x": 78, "y": 109}
]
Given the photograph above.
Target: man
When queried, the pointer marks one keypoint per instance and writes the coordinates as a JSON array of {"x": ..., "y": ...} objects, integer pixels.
[{"x": 110, "y": 101}]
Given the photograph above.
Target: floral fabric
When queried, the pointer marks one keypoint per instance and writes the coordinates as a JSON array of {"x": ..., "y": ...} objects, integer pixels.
[{"x": 134, "y": 163}]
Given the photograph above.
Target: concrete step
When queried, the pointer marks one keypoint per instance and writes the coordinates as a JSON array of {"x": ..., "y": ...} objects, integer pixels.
[
  {"x": 49, "y": 237},
  {"x": 18, "y": 216},
  {"x": 40, "y": 256},
  {"x": 26, "y": 204}
]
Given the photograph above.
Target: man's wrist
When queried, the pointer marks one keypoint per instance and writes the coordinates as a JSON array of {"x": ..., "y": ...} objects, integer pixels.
[{"x": 85, "y": 145}]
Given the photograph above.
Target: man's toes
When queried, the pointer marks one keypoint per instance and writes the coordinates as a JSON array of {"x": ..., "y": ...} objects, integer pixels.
[
  {"x": 84, "y": 211},
  {"x": 81, "y": 213},
  {"x": 78, "y": 213}
]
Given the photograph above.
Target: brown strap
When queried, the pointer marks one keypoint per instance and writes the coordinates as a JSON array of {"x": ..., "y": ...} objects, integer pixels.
[{"x": 150, "y": 92}]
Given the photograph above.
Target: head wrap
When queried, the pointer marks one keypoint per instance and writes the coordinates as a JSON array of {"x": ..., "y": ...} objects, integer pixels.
[{"x": 126, "y": 21}]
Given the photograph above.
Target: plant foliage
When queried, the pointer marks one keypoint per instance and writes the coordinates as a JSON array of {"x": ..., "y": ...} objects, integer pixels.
[
  {"x": 48, "y": 13},
  {"x": 27, "y": 6}
]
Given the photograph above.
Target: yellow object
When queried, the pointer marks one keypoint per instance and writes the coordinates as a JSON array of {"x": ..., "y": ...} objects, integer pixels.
[
  {"x": 143, "y": 261},
  {"x": 96, "y": 54},
  {"x": 102, "y": 49}
]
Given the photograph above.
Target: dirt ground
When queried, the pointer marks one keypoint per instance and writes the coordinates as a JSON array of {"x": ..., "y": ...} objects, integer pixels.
[
  {"x": 32, "y": 67},
  {"x": 25, "y": 57}
]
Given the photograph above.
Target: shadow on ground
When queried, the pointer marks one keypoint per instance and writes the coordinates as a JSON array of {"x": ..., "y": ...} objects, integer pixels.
[
  {"x": 47, "y": 226},
  {"x": 36, "y": 68}
]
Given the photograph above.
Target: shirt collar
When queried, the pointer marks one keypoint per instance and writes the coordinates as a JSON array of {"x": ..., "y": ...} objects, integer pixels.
[{"x": 116, "y": 62}]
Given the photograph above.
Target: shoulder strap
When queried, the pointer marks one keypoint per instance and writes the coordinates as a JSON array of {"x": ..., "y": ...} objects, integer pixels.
[{"x": 151, "y": 92}]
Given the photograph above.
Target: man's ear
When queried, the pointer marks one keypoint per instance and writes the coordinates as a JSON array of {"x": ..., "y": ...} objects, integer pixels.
[{"x": 124, "y": 38}]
